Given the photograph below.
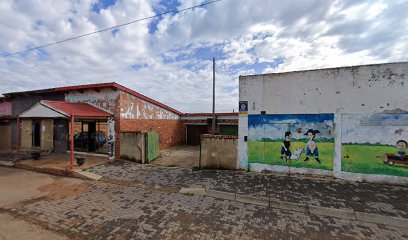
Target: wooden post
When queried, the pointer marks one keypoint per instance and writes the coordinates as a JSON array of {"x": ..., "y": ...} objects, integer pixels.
[
  {"x": 71, "y": 164},
  {"x": 18, "y": 137}
]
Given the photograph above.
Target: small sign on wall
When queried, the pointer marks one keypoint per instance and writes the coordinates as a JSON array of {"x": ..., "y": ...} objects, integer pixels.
[{"x": 243, "y": 107}]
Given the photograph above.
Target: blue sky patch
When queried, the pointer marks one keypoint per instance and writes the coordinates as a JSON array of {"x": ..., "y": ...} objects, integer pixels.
[
  {"x": 258, "y": 67},
  {"x": 102, "y": 4},
  {"x": 207, "y": 53},
  {"x": 115, "y": 31},
  {"x": 138, "y": 66},
  {"x": 163, "y": 6},
  {"x": 40, "y": 53}
]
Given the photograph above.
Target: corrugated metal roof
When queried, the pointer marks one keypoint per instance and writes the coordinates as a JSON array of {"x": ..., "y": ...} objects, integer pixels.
[{"x": 76, "y": 109}]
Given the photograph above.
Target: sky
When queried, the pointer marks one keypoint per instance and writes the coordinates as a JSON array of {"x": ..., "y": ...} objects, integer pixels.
[
  {"x": 374, "y": 129},
  {"x": 169, "y": 58},
  {"x": 274, "y": 126}
]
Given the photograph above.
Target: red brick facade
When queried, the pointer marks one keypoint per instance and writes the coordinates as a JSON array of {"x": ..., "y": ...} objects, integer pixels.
[{"x": 171, "y": 132}]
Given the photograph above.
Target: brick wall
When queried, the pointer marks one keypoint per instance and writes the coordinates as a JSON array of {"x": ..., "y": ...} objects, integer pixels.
[{"x": 171, "y": 132}]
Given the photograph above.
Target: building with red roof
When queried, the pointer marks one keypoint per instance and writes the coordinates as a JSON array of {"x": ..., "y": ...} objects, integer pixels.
[
  {"x": 96, "y": 117},
  {"x": 101, "y": 112}
]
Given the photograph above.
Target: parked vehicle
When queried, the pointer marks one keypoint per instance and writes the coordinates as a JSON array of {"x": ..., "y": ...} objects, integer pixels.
[{"x": 81, "y": 139}]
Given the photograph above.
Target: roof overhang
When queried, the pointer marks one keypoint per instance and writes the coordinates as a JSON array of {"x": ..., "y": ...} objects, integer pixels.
[
  {"x": 55, "y": 109},
  {"x": 41, "y": 110}
]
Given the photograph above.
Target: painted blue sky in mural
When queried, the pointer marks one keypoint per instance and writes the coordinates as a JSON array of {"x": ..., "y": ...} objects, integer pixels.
[
  {"x": 273, "y": 126},
  {"x": 374, "y": 128}
]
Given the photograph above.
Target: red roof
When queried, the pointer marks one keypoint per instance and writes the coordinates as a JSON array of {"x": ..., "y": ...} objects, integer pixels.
[
  {"x": 97, "y": 86},
  {"x": 76, "y": 109}
]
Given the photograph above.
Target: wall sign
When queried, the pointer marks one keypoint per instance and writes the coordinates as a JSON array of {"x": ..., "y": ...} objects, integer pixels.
[{"x": 243, "y": 107}]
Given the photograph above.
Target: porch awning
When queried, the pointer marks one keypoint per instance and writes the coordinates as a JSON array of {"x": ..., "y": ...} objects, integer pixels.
[{"x": 59, "y": 109}]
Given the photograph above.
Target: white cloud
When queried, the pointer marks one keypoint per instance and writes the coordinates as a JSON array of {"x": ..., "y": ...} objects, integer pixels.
[{"x": 302, "y": 34}]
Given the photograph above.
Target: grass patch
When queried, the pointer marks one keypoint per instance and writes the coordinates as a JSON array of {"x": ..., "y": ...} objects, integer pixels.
[
  {"x": 369, "y": 159},
  {"x": 269, "y": 153},
  {"x": 189, "y": 194}
]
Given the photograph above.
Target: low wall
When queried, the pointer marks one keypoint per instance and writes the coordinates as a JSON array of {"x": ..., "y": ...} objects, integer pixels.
[
  {"x": 132, "y": 146},
  {"x": 218, "y": 152},
  {"x": 171, "y": 132}
]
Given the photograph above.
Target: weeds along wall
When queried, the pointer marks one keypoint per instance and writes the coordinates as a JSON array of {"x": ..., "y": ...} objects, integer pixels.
[{"x": 349, "y": 122}]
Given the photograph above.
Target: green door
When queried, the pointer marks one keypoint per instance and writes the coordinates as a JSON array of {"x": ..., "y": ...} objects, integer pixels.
[{"x": 152, "y": 146}]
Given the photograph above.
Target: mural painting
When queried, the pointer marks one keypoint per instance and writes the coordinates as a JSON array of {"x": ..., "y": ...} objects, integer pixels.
[
  {"x": 111, "y": 137},
  {"x": 375, "y": 144},
  {"x": 299, "y": 140}
]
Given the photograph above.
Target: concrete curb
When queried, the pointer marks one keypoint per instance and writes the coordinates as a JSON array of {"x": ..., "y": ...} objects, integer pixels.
[
  {"x": 252, "y": 200},
  {"x": 53, "y": 171},
  {"x": 219, "y": 194},
  {"x": 273, "y": 203},
  {"x": 332, "y": 212},
  {"x": 7, "y": 163},
  {"x": 197, "y": 191},
  {"x": 348, "y": 214},
  {"x": 386, "y": 220}
]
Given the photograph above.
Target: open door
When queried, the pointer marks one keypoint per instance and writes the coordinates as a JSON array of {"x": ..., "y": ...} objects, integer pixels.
[
  {"x": 36, "y": 128},
  {"x": 91, "y": 136}
]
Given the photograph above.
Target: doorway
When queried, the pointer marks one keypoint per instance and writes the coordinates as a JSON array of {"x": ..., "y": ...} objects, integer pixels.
[
  {"x": 91, "y": 136},
  {"x": 194, "y": 134},
  {"x": 60, "y": 135},
  {"x": 36, "y": 129}
]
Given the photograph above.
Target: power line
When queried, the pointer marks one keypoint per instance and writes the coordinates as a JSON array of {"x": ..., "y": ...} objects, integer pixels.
[{"x": 109, "y": 28}]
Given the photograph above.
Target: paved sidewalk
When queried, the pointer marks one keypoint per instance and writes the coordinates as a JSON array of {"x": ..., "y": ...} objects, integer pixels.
[
  {"x": 110, "y": 211},
  {"x": 12, "y": 228},
  {"x": 363, "y": 197},
  {"x": 82, "y": 209}
]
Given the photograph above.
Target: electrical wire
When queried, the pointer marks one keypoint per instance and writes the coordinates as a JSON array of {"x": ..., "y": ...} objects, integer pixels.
[{"x": 109, "y": 28}]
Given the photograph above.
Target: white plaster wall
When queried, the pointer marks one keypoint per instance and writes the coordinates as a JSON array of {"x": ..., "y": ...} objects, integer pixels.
[
  {"x": 360, "y": 89},
  {"x": 137, "y": 108},
  {"x": 106, "y": 99},
  {"x": 380, "y": 88},
  {"x": 41, "y": 111}
]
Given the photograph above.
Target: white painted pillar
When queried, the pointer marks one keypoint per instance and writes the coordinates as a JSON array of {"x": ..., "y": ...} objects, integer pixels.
[
  {"x": 242, "y": 145},
  {"x": 337, "y": 146}
]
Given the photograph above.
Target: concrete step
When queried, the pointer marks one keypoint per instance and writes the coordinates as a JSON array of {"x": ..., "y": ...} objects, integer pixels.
[{"x": 87, "y": 175}]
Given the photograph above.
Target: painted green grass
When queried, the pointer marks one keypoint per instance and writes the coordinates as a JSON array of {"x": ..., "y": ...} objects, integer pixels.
[
  {"x": 269, "y": 153},
  {"x": 369, "y": 159}
]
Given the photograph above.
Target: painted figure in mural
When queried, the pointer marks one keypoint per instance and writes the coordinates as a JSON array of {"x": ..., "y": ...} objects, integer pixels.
[
  {"x": 402, "y": 145},
  {"x": 285, "y": 149},
  {"x": 296, "y": 154},
  {"x": 311, "y": 147},
  {"x": 401, "y": 156}
]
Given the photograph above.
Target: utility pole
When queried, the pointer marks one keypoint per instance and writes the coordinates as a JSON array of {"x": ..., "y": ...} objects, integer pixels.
[{"x": 213, "y": 108}]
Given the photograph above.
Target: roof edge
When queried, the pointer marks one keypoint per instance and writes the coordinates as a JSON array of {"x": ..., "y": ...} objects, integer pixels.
[
  {"x": 45, "y": 105},
  {"x": 98, "y": 85},
  {"x": 141, "y": 96},
  {"x": 319, "y": 69}
]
